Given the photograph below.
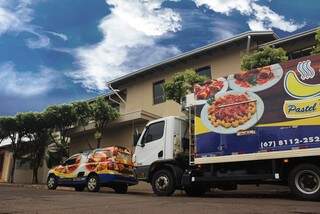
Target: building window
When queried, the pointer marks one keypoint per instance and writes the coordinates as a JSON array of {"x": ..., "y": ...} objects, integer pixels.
[
  {"x": 158, "y": 92},
  {"x": 204, "y": 71}
]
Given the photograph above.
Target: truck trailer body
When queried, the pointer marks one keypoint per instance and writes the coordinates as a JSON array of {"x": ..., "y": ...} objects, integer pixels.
[{"x": 253, "y": 127}]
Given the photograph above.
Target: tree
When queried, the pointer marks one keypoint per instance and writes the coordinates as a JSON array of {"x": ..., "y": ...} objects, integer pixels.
[
  {"x": 60, "y": 119},
  {"x": 264, "y": 57},
  {"x": 9, "y": 129},
  {"x": 181, "y": 84},
  {"x": 102, "y": 114},
  {"x": 33, "y": 127},
  {"x": 83, "y": 114},
  {"x": 316, "y": 48}
]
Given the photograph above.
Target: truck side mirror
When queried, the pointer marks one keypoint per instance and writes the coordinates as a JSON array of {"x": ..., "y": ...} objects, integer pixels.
[{"x": 136, "y": 139}]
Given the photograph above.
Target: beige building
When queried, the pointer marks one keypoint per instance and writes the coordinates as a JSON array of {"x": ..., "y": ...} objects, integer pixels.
[{"x": 142, "y": 91}]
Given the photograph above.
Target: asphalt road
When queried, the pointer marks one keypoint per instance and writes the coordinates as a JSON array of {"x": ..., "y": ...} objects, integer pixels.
[{"x": 141, "y": 200}]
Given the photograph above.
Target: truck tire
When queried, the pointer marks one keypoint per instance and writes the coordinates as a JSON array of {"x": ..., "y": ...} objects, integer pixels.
[
  {"x": 163, "y": 183},
  {"x": 93, "y": 184},
  {"x": 196, "y": 190},
  {"x": 304, "y": 181},
  {"x": 121, "y": 188},
  {"x": 52, "y": 182}
]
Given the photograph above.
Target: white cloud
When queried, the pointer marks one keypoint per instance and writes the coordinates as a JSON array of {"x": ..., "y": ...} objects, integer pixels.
[
  {"x": 227, "y": 6},
  {"x": 60, "y": 35},
  {"x": 26, "y": 83},
  {"x": 130, "y": 30},
  {"x": 265, "y": 19},
  {"x": 260, "y": 17},
  {"x": 16, "y": 16},
  {"x": 224, "y": 29}
]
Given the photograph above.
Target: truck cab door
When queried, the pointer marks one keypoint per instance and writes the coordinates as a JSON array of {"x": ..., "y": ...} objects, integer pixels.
[{"x": 151, "y": 145}]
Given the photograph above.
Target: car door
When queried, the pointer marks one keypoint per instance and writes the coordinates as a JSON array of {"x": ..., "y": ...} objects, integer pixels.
[
  {"x": 70, "y": 166},
  {"x": 150, "y": 148}
]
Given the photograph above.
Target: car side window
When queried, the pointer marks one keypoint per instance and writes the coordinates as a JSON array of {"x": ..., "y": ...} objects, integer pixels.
[
  {"x": 72, "y": 160},
  {"x": 154, "y": 132}
]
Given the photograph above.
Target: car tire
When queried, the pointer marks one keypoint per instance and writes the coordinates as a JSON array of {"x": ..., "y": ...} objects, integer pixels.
[
  {"x": 121, "y": 188},
  {"x": 79, "y": 188},
  {"x": 196, "y": 190},
  {"x": 163, "y": 183},
  {"x": 304, "y": 181},
  {"x": 52, "y": 182},
  {"x": 93, "y": 184}
]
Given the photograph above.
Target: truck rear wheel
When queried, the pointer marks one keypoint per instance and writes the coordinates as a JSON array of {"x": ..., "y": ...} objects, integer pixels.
[
  {"x": 163, "y": 183},
  {"x": 304, "y": 181}
]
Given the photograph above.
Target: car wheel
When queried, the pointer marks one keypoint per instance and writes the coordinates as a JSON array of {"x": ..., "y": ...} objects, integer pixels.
[
  {"x": 121, "y": 188},
  {"x": 196, "y": 190},
  {"x": 93, "y": 184},
  {"x": 163, "y": 183},
  {"x": 79, "y": 188},
  {"x": 52, "y": 182},
  {"x": 304, "y": 181}
]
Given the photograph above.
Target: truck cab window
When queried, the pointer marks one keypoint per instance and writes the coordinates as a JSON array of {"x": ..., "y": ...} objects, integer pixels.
[{"x": 154, "y": 132}]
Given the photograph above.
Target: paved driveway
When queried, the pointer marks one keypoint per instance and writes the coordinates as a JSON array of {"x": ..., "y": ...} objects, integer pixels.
[{"x": 141, "y": 200}]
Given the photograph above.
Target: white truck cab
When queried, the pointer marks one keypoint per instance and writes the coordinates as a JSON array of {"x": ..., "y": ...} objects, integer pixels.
[{"x": 160, "y": 143}]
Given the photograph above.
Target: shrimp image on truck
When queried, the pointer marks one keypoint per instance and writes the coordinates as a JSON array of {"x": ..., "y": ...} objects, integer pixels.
[{"x": 256, "y": 127}]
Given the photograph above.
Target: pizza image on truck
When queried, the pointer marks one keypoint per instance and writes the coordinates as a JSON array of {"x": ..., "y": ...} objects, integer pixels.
[
  {"x": 110, "y": 167},
  {"x": 258, "y": 127}
]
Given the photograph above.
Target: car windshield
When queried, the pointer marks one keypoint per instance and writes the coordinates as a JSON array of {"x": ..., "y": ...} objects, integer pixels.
[{"x": 124, "y": 156}]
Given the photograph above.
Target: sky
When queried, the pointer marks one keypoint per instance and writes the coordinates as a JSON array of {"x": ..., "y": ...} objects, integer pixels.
[{"x": 59, "y": 51}]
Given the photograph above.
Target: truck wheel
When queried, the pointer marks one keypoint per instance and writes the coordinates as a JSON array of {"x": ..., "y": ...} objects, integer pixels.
[
  {"x": 163, "y": 183},
  {"x": 52, "y": 182},
  {"x": 196, "y": 190},
  {"x": 121, "y": 188},
  {"x": 304, "y": 181},
  {"x": 79, "y": 188},
  {"x": 93, "y": 184}
]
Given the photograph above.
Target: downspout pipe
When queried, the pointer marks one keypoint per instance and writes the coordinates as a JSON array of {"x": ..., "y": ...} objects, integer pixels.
[{"x": 248, "y": 43}]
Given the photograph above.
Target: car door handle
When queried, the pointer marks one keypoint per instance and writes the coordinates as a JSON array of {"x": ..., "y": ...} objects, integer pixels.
[{"x": 160, "y": 154}]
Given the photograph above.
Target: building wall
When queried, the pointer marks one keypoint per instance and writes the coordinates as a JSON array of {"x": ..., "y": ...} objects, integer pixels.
[
  {"x": 7, "y": 161},
  {"x": 140, "y": 91},
  {"x": 120, "y": 136},
  {"x": 23, "y": 174}
]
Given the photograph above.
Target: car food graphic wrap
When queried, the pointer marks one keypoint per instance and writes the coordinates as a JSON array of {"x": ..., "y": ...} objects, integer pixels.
[
  {"x": 274, "y": 108},
  {"x": 111, "y": 160}
]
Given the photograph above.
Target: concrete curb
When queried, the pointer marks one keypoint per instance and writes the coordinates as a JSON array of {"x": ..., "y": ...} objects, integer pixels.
[
  {"x": 34, "y": 186},
  {"x": 140, "y": 187}
]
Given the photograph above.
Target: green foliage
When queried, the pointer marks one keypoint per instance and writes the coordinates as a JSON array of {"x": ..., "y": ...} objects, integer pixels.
[
  {"x": 102, "y": 114},
  {"x": 264, "y": 57},
  {"x": 34, "y": 127},
  {"x": 83, "y": 113},
  {"x": 316, "y": 48},
  {"x": 181, "y": 84},
  {"x": 60, "y": 119}
]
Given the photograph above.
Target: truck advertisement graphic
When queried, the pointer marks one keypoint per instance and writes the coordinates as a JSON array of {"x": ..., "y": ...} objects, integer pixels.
[{"x": 262, "y": 111}]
